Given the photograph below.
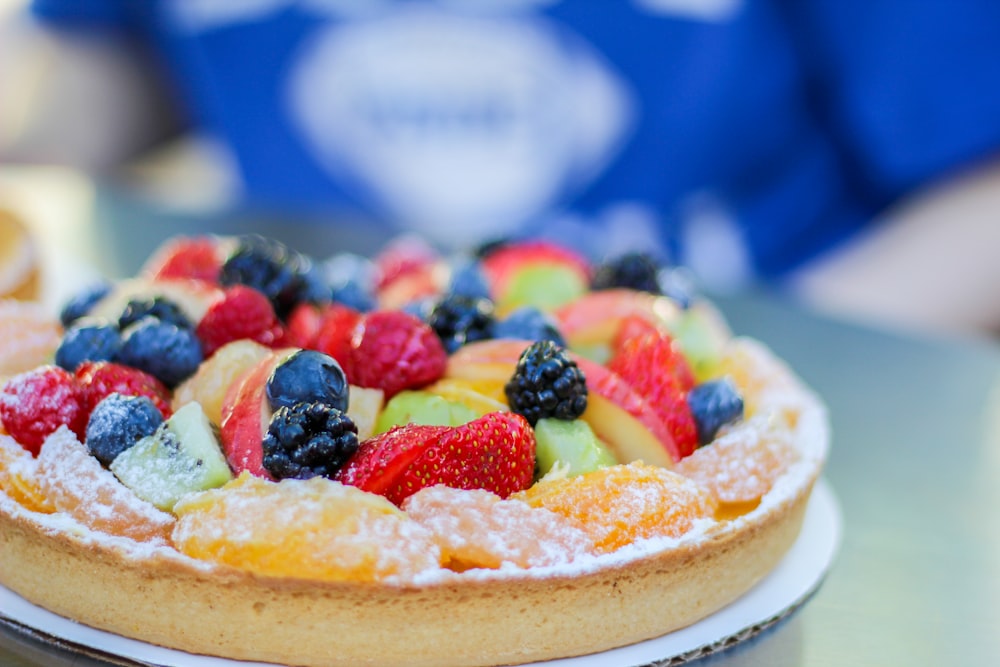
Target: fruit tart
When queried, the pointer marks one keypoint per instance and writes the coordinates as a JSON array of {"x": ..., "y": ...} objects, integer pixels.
[{"x": 509, "y": 456}]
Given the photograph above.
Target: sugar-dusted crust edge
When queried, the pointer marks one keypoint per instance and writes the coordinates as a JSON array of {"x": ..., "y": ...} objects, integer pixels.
[{"x": 161, "y": 597}]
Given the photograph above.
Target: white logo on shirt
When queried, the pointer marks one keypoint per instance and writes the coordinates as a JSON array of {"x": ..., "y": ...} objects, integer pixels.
[{"x": 454, "y": 124}]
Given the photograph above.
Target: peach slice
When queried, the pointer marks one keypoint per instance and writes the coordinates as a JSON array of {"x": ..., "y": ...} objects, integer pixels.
[{"x": 620, "y": 417}]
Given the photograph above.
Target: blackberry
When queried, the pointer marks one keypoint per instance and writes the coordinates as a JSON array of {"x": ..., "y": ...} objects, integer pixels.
[
  {"x": 118, "y": 422},
  {"x": 308, "y": 376},
  {"x": 547, "y": 383},
  {"x": 713, "y": 405},
  {"x": 529, "y": 323},
  {"x": 634, "y": 270},
  {"x": 269, "y": 267},
  {"x": 164, "y": 350},
  {"x": 93, "y": 341},
  {"x": 458, "y": 320},
  {"x": 487, "y": 248},
  {"x": 308, "y": 440},
  {"x": 158, "y": 307},
  {"x": 83, "y": 302}
]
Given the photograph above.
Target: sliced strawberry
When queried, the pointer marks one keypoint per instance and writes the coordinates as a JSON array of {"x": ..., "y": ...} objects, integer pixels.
[
  {"x": 495, "y": 452},
  {"x": 242, "y": 312},
  {"x": 186, "y": 257},
  {"x": 501, "y": 265},
  {"x": 34, "y": 404},
  {"x": 392, "y": 351},
  {"x": 101, "y": 378},
  {"x": 654, "y": 366}
]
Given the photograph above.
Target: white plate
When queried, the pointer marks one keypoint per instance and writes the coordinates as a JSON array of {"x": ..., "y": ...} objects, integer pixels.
[{"x": 790, "y": 585}]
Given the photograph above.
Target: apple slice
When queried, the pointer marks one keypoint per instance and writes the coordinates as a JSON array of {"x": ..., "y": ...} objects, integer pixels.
[
  {"x": 594, "y": 318},
  {"x": 621, "y": 418},
  {"x": 246, "y": 414}
]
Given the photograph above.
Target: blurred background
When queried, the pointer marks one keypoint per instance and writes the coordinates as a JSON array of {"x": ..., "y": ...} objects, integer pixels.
[{"x": 839, "y": 154}]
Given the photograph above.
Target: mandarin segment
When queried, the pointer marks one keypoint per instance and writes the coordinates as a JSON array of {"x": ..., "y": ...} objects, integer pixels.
[
  {"x": 621, "y": 504},
  {"x": 78, "y": 485},
  {"x": 767, "y": 385},
  {"x": 742, "y": 464},
  {"x": 19, "y": 476},
  {"x": 476, "y": 529},
  {"x": 30, "y": 336},
  {"x": 315, "y": 529}
]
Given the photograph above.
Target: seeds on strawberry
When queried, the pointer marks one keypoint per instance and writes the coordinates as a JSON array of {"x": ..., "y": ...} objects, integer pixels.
[
  {"x": 36, "y": 403},
  {"x": 392, "y": 351},
  {"x": 495, "y": 452}
]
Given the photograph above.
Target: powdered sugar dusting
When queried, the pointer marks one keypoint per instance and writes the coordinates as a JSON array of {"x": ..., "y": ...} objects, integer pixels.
[
  {"x": 478, "y": 529},
  {"x": 78, "y": 485}
]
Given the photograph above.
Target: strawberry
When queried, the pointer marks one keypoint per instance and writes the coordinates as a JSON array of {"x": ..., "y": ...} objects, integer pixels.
[
  {"x": 654, "y": 366},
  {"x": 495, "y": 452},
  {"x": 36, "y": 403},
  {"x": 98, "y": 379},
  {"x": 186, "y": 257},
  {"x": 392, "y": 351},
  {"x": 242, "y": 312},
  {"x": 502, "y": 264}
]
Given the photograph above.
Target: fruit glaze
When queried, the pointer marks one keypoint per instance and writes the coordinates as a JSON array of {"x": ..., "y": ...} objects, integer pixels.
[{"x": 498, "y": 458}]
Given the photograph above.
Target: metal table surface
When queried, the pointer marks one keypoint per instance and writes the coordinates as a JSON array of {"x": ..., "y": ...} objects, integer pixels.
[{"x": 915, "y": 464}]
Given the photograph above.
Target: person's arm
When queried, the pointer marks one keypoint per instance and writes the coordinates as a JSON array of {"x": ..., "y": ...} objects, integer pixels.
[
  {"x": 88, "y": 99},
  {"x": 932, "y": 264}
]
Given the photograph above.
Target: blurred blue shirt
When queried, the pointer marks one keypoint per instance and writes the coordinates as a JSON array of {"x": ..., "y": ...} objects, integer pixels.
[{"x": 742, "y": 137}]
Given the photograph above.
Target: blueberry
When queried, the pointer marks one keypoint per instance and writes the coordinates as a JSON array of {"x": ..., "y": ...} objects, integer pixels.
[
  {"x": 420, "y": 308},
  {"x": 118, "y": 422},
  {"x": 714, "y": 404},
  {"x": 82, "y": 302},
  {"x": 529, "y": 323},
  {"x": 158, "y": 307},
  {"x": 468, "y": 279},
  {"x": 308, "y": 377},
  {"x": 164, "y": 350},
  {"x": 92, "y": 341},
  {"x": 678, "y": 284},
  {"x": 353, "y": 295}
]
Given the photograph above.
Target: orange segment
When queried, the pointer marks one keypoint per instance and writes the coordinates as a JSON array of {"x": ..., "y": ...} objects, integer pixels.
[
  {"x": 19, "y": 262},
  {"x": 314, "y": 529},
  {"x": 743, "y": 463},
  {"x": 621, "y": 504},
  {"x": 78, "y": 485},
  {"x": 478, "y": 529},
  {"x": 19, "y": 476},
  {"x": 30, "y": 336}
]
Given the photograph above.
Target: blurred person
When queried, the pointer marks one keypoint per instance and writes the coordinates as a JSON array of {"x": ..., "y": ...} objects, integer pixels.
[{"x": 846, "y": 152}]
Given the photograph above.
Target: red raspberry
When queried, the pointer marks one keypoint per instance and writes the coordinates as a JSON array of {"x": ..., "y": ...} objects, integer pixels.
[
  {"x": 36, "y": 403},
  {"x": 100, "y": 378},
  {"x": 242, "y": 312},
  {"x": 392, "y": 350},
  {"x": 196, "y": 257}
]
